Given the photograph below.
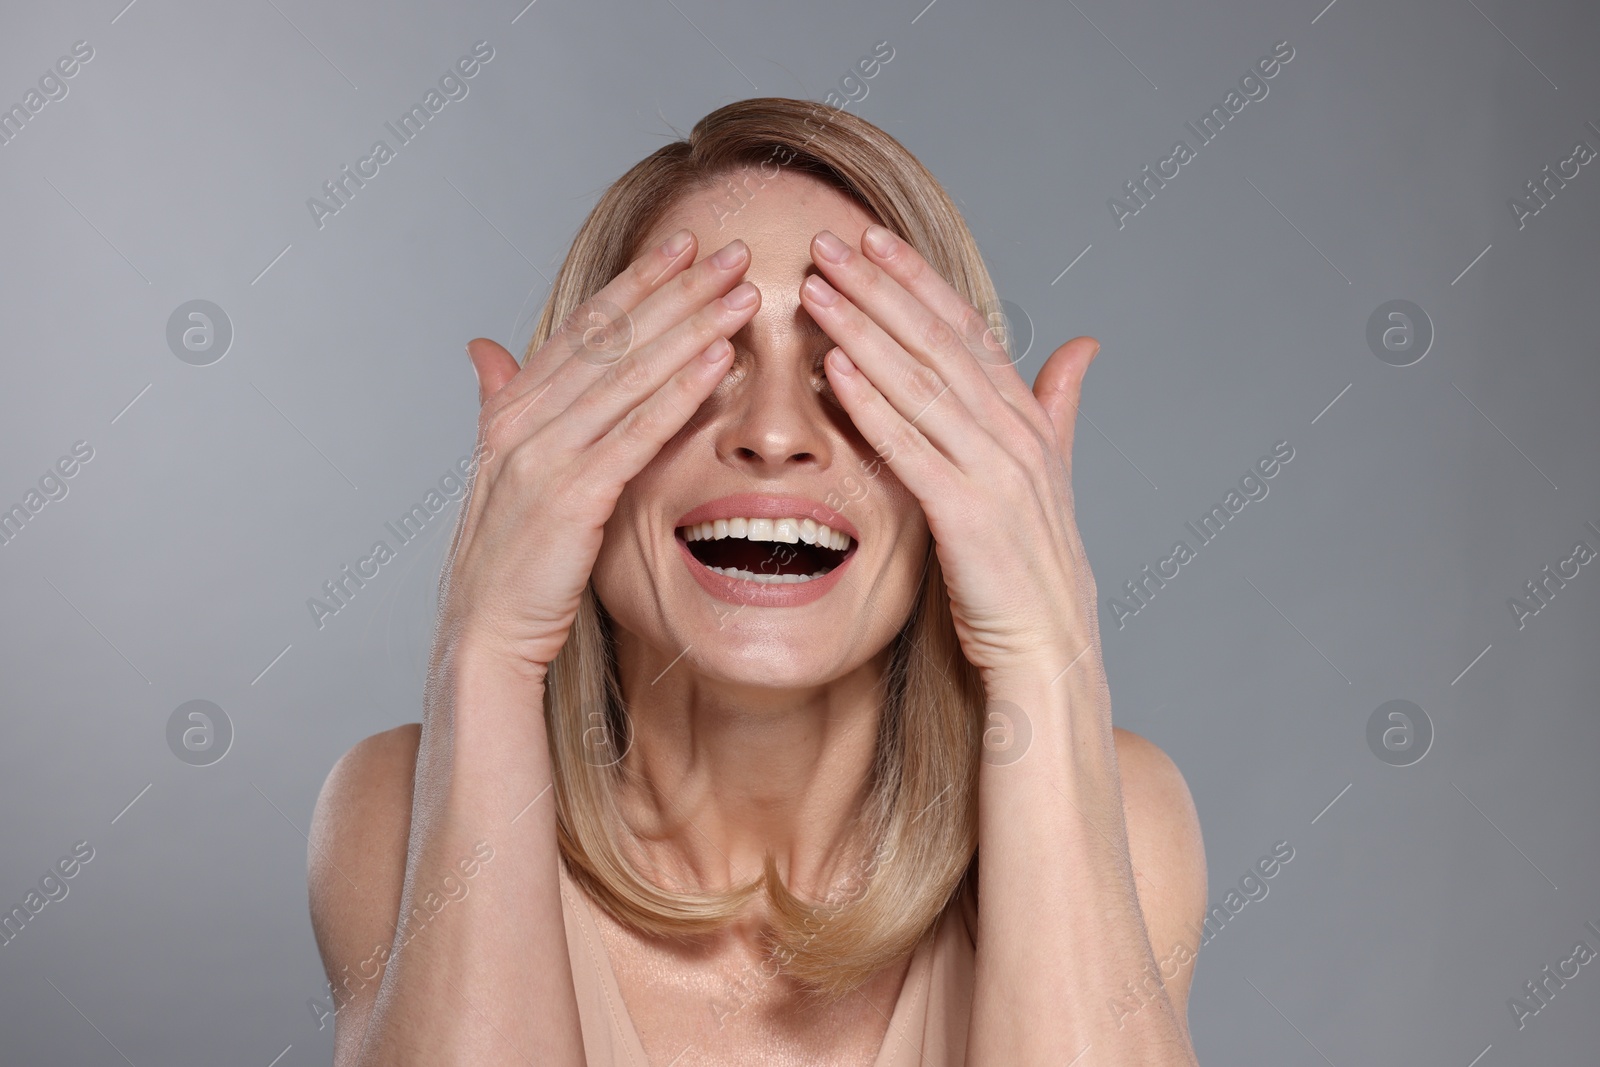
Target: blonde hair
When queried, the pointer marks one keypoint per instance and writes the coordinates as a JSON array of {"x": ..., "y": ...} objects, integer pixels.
[{"x": 919, "y": 819}]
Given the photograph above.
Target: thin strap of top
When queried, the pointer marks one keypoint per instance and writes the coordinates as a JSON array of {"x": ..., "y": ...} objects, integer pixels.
[{"x": 927, "y": 1029}]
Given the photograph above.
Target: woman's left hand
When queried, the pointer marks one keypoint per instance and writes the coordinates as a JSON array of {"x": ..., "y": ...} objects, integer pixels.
[
  {"x": 929, "y": 384},
  {"x": 990, "y": 460}
]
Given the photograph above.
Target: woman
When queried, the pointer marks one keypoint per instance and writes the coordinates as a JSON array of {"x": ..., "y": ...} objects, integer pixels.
[{"x": 783, "y": 547}]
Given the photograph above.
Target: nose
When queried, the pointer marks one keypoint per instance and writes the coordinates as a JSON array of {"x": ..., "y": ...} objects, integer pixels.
[{"x": 774, "y": 421}]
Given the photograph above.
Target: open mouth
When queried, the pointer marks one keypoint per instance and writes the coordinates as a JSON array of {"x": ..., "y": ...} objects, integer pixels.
[{"x": 769, "y": 551}]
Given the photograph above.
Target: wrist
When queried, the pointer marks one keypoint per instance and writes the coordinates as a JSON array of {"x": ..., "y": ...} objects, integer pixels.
[
  {"x": 481, "y": 650},
  {"x": 493, "y": 657},
  {"x": 1062, "y": 696},
  {"x": 484, "y": 710},
  {"x": 1042, "y": 672},
  {"x": 473, "y": 680}
]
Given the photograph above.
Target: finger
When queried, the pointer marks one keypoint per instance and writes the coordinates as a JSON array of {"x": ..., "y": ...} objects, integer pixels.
[
  {"x": 676, "y": 298},
  {"x": 614, "y": 301},
  {"x": 615, "y": 398},
  {"x": 921, "y": 467},
  {"x": 624, "y": 451},
  {"x": 609, "y": 398},
  {"x": 918, "y": 392},
  {"x": 1059, "y": 388},
  {"x": 601, "y": 333},
  {"x": 493, "y": 364},
  {"x": 914, "y": 326},
  {"x": 979, "y": 335},
  {"x": 639, "y": 435}
]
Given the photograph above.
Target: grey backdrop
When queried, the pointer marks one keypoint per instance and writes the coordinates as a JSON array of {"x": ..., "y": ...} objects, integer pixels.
[{"x": 1234, "y": 311}]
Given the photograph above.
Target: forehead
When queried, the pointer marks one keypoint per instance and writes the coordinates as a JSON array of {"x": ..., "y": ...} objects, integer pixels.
[{"x": 776, "y": 217}]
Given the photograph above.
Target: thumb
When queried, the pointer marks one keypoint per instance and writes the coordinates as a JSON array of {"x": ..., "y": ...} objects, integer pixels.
[
  {"x": 493, "y": 364},
  {"x": 1059, "y": 386}
]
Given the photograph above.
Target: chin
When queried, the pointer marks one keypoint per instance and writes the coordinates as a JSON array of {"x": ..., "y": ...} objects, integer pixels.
[{"x": 766, "y": 664}]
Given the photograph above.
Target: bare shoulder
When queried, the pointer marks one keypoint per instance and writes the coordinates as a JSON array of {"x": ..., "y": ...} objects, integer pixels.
[
  {"x": 363, "y": 815},
  {"x": 356, "y": 868},
  {"x": 1168, "y": 854},
  {"x": 1156, "y": 800}
]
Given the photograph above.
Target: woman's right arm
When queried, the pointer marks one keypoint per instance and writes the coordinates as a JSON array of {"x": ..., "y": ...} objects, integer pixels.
[
  {"x": 440, "y": 845},
  {"x": 477, "y": 971}
]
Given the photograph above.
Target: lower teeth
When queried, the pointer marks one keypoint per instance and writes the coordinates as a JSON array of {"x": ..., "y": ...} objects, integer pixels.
[{"x": 765, "y": 579}]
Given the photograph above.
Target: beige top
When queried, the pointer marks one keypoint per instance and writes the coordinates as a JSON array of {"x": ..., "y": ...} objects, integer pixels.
[{"x": 928, "y": 1027}]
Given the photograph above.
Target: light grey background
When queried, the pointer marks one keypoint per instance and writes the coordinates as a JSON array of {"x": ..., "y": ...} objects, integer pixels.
[{"x": 1232, "y": 310}]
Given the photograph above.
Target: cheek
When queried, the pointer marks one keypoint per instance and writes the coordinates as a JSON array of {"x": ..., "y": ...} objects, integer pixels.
[
  {"x": 620, "y": 574},
  {"x": 907, "y": 561},
  {"x": 625, "y": 591},
  {"x": 889, "y": 497},
  {"x": 900, "y": 502}
]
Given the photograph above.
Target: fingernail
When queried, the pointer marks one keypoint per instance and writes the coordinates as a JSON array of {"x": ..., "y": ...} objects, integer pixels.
[
  {"x": 879, "y": 240},
  {"x": 820, "y": 291},
  {"x": 831, "y": 248},
  {"x": 740, "y": 297},
  {"x": 730, "y": 255},
  {"x": 675, "y": 245}
]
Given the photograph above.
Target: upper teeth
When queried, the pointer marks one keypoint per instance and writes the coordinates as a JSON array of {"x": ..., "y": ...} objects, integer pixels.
[{"x": 788, "y": 530}]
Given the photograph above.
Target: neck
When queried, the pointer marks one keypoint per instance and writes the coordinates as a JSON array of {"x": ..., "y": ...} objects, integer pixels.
[{"x": 720, "y": 774}]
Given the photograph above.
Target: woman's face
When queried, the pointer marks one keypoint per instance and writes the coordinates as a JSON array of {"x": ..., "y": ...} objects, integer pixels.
[{"x": 771, "y": 443}]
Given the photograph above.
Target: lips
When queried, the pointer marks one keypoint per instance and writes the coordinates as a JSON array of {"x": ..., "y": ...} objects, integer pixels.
[{"x": 746, "y": 572}]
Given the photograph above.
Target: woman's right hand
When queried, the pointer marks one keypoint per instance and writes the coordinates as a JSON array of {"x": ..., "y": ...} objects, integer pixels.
[{"x": 559, "y": 438}]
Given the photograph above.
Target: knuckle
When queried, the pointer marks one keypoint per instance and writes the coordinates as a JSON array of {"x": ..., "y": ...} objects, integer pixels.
[
  {"x": 1044, "y": 433},
  {"x": 627, "y": 376},
  {"x": 504, "y": 423},
  {"x": 483, "y": 455},
  {"x": 974, "y": 326},
  {"x": 1018, "y": 469},
  {"x": 641, "y": 273},
  {"x": 711, "y": 322},
  {"x": 848, "y": 330},
  {"x": 602, "y": 334},
  {"x": 495, "y": 442},
  {"x": 688, "y": 283},
  {"x": 494, "y": 429},
  {"x": 923, "y": 383},
  {"x": 575, "y": 320},
  {"x": 568, "y": 333},
  {"x": 1024, "y": 447},
  {"x": 1015, "y": 471},
  {"x": 991, "y": 336},
  {"x": 634, "y": 428},
  {"x": 1035, "y": 453},
  {"x": 905, "y": 440},
  {"x": 870, "y": 278},
  {"x": 938, "y": 335},
  {"x": 524, "y": 462},
  {"x": 706, "y": 323}
]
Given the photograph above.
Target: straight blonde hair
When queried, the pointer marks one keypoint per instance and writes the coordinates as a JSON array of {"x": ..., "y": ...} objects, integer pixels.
[{"x": 919, "y": 819}]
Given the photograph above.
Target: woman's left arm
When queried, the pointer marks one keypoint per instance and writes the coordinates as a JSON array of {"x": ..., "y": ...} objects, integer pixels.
[{"x": 1092, "y": 880}]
